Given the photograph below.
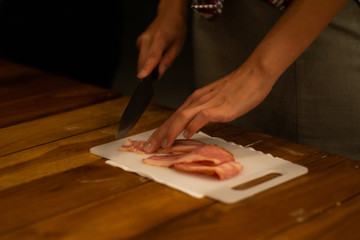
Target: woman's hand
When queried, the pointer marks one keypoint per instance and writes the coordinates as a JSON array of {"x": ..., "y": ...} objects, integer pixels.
[
  {"x": 243, "y": 89},
  {"x": 221, "y": 101},
  {"x": 163, "y": 40}
]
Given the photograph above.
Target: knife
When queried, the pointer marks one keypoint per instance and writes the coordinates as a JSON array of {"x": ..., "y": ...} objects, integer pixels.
[{"x": 137, "y": 105}]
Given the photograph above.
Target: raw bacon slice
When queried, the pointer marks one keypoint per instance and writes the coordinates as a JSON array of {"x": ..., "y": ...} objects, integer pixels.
[
  {"x": 190, "y": 156},
  {"x": 133, "y": 146},
  {"x": 222, "y": 171},
  {"x": 207, "y": 155},
  {"x": 182, "y": 146},
  {"x": 179, "y": 146}
]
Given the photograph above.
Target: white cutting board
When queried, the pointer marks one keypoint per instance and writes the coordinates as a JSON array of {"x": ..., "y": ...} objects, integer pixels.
[{"x": 256, "y": 164}]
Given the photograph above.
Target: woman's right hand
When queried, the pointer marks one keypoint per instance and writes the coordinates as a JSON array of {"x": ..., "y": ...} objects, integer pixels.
[{"x": 163, "y": 40}]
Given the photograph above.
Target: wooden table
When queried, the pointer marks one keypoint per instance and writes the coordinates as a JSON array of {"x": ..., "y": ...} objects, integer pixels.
[{"x": 51, "y": 187}]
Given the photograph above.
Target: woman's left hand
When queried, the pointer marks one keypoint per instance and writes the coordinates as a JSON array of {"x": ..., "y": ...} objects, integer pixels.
[
  {"x": 242, "y": 90},
  {"x": 221, "y": 101}
]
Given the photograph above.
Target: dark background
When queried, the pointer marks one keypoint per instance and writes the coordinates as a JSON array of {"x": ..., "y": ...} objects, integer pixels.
[{"x": 93, "y": 42}]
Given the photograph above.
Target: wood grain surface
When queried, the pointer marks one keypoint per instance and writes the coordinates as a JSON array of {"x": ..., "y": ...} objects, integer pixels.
[
  {"x": 28, "y": 94},
  {"x": 51, "y": 187}
]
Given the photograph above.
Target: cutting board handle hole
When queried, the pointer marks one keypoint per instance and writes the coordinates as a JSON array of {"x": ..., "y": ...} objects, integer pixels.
[{"x": 256, "y": 181}]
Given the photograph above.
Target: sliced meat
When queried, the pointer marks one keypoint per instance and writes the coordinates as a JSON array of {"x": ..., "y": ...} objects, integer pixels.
[
  {"x": 207, "y": 155},
  {"x": 190, "y": 156},
  {"x": 179, "y": 146},
  {"x": 133, "y": 146},
  {"x": 222, "y": 171},
  {"x": 182, "y": 146}
]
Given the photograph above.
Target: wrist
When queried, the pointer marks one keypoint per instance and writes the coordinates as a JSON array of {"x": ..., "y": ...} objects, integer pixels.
[
  {"x": 173, "y": 9},
  {"x": 263, "y": 72}
]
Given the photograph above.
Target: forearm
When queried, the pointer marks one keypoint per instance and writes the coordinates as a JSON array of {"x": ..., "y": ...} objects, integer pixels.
[
  {"x": 162, "y": 41},
  {"x": 173, "y": 8},
  {"x": 292, "y": 34}
]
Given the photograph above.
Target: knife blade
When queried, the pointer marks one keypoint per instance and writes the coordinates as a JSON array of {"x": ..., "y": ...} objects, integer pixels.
[{"x": 137, "y": 105}]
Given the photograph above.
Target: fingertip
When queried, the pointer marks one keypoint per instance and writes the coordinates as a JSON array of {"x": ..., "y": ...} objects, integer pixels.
[
  {"x": 188, "y": 133},
  {"x": 147, "y": 146},
  {"x": 150, "y": 147},
  {"x": 162, "y": 70},
  {"x": 152, "y": 143},
  {"x": 141, "y": 74}
]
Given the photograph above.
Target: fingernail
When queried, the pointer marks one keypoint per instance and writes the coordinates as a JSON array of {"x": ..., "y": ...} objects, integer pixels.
[
  {"x": 147, "y": 146},
  {"x": 164, "y": 143},
  {"x": 162, "y": 69},
  {"x": 185, "y": 134},
  {"x": 142, "y": 73}
]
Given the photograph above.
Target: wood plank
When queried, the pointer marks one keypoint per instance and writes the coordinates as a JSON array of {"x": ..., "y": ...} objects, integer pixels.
[
  {"x": 12, "y": 70},
  {"x": 17, "y": 168},
  {"x": 28, "y": 94},
  {"x": 144, "y": 220},
  {"x": 29, "y": 173},
  {"x": 52, "y": 188},
  {"x": 52, "y": 158},
  {"x": 58, "y": 193},
  {"x": 45, "y": 193},
  {"x": 340, "y": 221},
  {"x": 19, "y": 81},
  {"x": 67, "y": 153},
  {"x": 44, "y": 130},
  {"x": 119, "y": 216},
  {"x": 212, "y": 214},
  {"x": 51, "y": 102},
  {"x": 268, "y": 213}
]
